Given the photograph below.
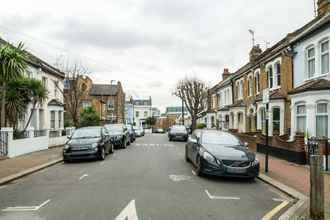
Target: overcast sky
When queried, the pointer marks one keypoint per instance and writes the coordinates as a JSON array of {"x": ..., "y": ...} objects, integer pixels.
[{"x": 150, "y": 44}]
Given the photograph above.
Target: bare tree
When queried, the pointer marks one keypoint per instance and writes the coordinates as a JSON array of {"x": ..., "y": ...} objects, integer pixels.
[
  {"x": 193, "y": 92},
  {"x": 73, "y": 90}
]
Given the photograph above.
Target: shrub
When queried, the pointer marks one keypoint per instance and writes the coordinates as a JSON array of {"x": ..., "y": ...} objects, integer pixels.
[
  {"x": 89, "y": 118},
  {"x": 201, "y": 126}
]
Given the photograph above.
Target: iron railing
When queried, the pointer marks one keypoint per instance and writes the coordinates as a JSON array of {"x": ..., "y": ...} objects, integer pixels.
[
  {"x": 40, "y": 133},
  {"x": 3, "y": 143}
]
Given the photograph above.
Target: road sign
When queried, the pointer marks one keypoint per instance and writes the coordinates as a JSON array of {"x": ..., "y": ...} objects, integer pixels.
[{"x": 265, "y": 96}]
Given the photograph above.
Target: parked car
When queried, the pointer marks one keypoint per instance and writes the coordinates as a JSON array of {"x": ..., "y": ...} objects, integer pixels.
[
  {"x": 87, "y": 143},
  {"x": 158, "y": 130},
  {"x": 131, "y": 132},
  {"x": 220, "y": 154},
  {"x": 139, "y": 131},
  {"x": 119, "y": 135},
  {"x": 178, "y": 132}
]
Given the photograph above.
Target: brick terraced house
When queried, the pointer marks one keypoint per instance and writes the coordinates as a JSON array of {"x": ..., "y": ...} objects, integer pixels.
[{"x": 295, "y": 71}]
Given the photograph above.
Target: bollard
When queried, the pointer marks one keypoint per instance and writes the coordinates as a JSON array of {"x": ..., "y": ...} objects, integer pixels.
[{"x": 316, "y": 188}]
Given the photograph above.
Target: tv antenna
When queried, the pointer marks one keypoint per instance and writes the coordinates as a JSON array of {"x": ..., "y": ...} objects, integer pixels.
[{"x": 253, "y": 38}]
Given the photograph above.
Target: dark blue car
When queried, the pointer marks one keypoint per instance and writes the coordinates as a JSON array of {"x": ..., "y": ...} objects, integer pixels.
[{"x": 220, "y": 154}]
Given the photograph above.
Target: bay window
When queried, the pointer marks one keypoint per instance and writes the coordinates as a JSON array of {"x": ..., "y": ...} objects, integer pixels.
[
  {"x": 276, "y": 119},
  {"x": 301, "y": 118},
  {"x": 322, "y": 120}
]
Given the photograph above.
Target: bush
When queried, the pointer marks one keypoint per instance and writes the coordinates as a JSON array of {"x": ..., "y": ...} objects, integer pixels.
[
  {"x": 89, "y": 118},
  {"x": 201, "y": 126}
]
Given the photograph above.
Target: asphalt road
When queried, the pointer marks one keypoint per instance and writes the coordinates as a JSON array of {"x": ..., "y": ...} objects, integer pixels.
[{"x": 149, "y": 180}]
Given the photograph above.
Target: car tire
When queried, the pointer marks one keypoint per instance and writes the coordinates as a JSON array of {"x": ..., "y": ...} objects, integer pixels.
[
  {"x": 124, "y": 144},
  {"x": 102, "y": 154},
  {"x": 186, "y": 155},
  {"x": 170, "y": 139},
  {"x": 111, "y": 150},
  {"x": 198, "y": 169}
]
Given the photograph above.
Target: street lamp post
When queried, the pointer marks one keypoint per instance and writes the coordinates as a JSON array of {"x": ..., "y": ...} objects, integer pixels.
[
  {"x": 265, "y": 100},
  {"x": 182, "y": 109}
]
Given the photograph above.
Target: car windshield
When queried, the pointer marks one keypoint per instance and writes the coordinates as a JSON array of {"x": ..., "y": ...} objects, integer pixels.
[
  {"x": 178, "y": 129},
  {"x": 220, "y": 139},
  {"x": 87, "y": 133},
  {"x": 115, "y": 128}
]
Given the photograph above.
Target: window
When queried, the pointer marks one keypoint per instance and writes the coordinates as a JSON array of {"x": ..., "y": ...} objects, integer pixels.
[
  {"x": 311, "y": 62},
  {"x": 52, "y": 119},
  {"x": 263, "y": 120},
  {"x": 44, "y": 82},
  {"x": 250, "y": 86},
  {"x": 301, "y": 118},
  {"x": 322, "y": 120},
  {"x": 59, "y": 119},
  {"x": 325, "y": 57},
  {"x": 137, "y": 114},
  {"x": 270, "y": 77},
  {"x": 86, "y": 104},
  {"x": 55, "y": 88},
  {"x": 276, "y": 119},
  {"x": 257, "y": 82},
  {"x": 145, "y": 114},
  {"x": 278, "y": 73},
  {"x": 110, "y": 105}
]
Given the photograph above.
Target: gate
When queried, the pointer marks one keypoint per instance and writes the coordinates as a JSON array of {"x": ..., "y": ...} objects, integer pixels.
[
  {"x": 3, "y": 143},
  {"x": 313, "y": 148}
]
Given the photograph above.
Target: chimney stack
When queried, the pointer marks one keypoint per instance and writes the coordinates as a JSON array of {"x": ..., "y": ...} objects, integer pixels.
[
  {"x": 323, "y": 7},
  {"x": 225, "y": 73},
  {"x": 255, "y": 53}
]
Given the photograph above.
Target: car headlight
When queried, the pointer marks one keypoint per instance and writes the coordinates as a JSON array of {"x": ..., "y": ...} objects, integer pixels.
[
  {"x": 66, "y": 147},
  {"x": 208, "y": 157},
  {"x": 255, "y": 162},
  {"x": 94, "y": 145}
]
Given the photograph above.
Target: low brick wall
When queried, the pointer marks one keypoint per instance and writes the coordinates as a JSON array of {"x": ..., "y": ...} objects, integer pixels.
[{"x": 279, "y": 146}]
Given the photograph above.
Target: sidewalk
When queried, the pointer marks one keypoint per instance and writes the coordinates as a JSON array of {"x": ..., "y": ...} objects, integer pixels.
[
  {"x": 294, "y": 176},
  {"x": 22, "y": 165}
]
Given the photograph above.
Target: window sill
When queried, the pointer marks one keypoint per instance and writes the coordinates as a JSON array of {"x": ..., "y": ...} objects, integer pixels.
[{"x": 317, "y": 76}]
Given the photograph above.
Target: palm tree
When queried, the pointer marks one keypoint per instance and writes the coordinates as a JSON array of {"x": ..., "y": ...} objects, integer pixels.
[
  {"x": 12, "y": 66},
  {"x": 37, "y": 93}
]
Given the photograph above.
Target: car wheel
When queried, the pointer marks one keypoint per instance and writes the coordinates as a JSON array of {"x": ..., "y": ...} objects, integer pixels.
[
  {"x": 198, "y": 168},
  {"x": 111, "y": 149},
  {"x": 102, "y": 154},
  {"x": 124, "y": 144},
  {"x": 186, "y": 154},
  {"x": 170, "y": 139}
]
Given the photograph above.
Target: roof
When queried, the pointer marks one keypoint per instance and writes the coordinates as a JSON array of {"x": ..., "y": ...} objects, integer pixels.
[
  {"x": 312, "y": 85},
  {"x": 273, "y": 95},
  {"x": 39, "y": 63},
  {"x": 104, "y": 90}
]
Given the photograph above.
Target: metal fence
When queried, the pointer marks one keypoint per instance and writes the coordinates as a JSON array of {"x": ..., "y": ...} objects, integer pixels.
[
  {"x": 314, "y": 148},
  {"x": 40, "y": 133},
  {"x": 3, "y": 143},
  {"x": 21, "y": 134}
]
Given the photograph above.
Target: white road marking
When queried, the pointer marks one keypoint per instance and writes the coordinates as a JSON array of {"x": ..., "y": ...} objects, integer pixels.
[
  {"x": 220, "y": 197},
  {"x": 129, "y": 212},
  {"x": 83, "y": 176},
  {"x": 4, "y": 186},
  {"x": 193, "y": 172},
  {"x": 278, "y": 200},
  {"x": 25, "y": 208},
  {"x": 179, "y": 178}
]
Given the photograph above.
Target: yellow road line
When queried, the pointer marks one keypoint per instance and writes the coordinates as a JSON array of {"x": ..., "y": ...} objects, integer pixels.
[{"x": 275, "y": 210}]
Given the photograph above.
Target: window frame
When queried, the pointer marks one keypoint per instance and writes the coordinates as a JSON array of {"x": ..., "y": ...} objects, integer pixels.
[
  {"x": 270, "y": 77},
  {"x": 301, "y": 115},
  {"x": 322, "y": 114},
  {"x": 257, "y": 81},
  {"x": 323, "y": 53},
  {"x": 279, "y": 119},
  {"x": 308, "y": 59}
]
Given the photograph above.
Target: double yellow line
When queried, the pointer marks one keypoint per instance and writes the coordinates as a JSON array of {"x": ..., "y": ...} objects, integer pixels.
[{"x": 275, "y": 210}]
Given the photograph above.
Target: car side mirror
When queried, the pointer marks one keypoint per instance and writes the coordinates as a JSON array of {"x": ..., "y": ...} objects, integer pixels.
[{"x": 192, "y": 140}]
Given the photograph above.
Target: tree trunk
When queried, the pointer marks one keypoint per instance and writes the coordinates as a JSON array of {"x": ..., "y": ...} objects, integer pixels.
[
  {"x": 193, "y": 122},
  {"x": 3, "y": 105},
  {"x": 30, "y": 117}
]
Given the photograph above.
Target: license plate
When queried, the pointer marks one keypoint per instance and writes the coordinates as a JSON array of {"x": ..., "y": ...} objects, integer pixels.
[{"x": 236, "y": 170}]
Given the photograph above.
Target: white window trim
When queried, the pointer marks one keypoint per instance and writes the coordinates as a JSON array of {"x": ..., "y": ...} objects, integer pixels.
[
  {"x": 321, "y": 114},
  {"x": 321, "y": 54},
  {"x": 250, "y": 85},
  {"x": 257, "y": 78},
  {"x": 307, "y": 59}
]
